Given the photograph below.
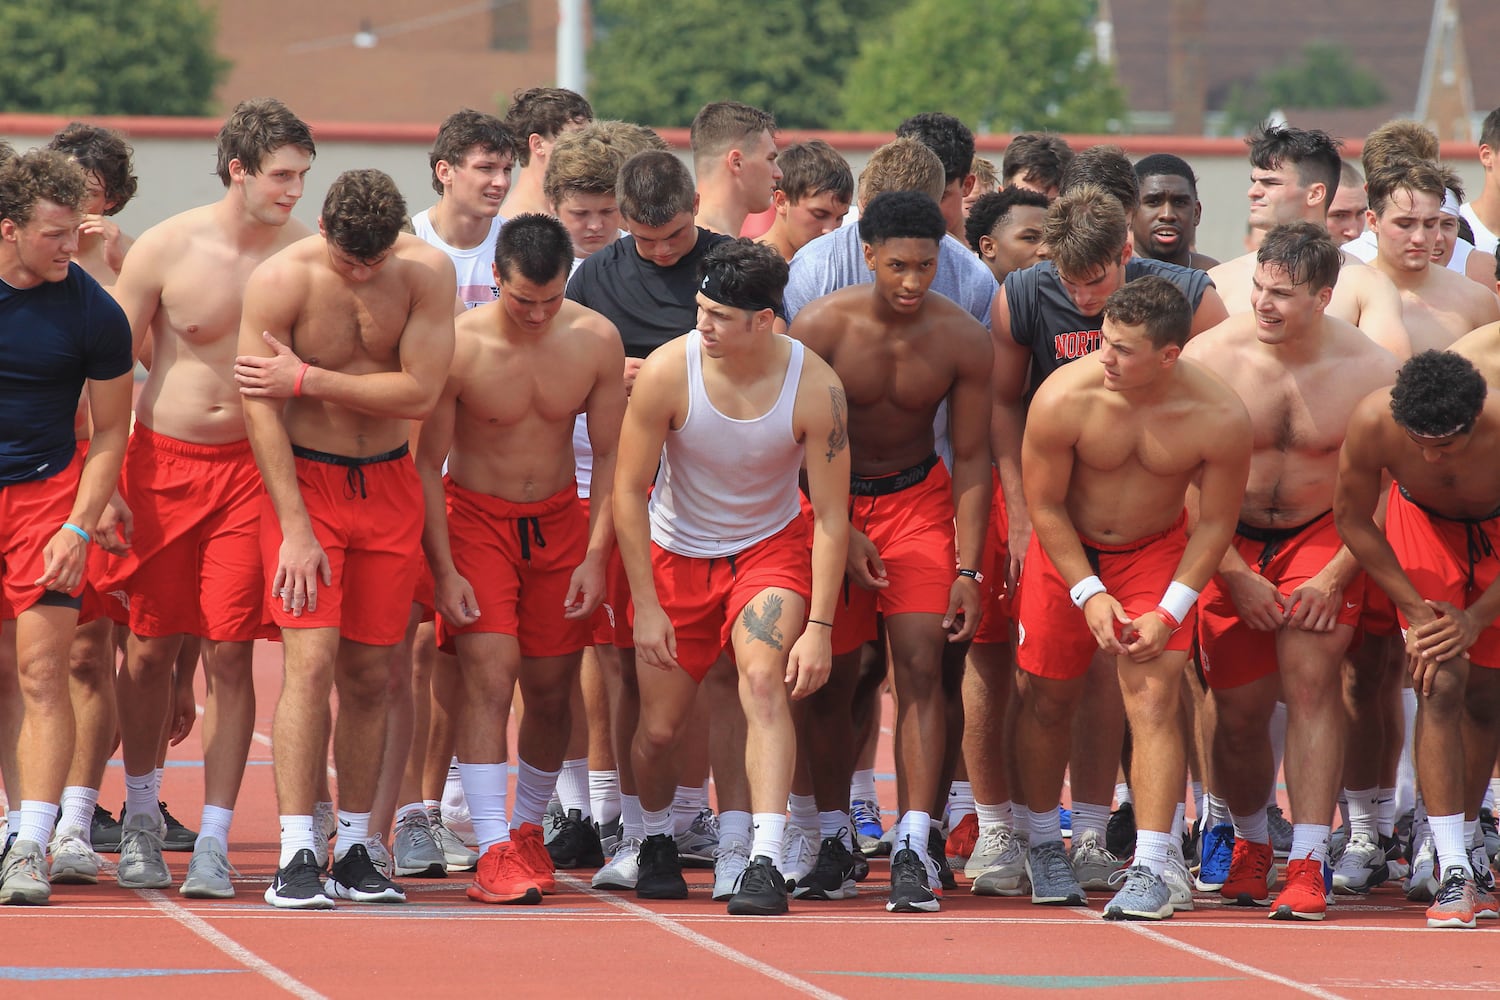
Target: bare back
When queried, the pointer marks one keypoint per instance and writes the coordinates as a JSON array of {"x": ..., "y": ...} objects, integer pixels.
[
  {"x": 1463, "y": 485},
  {"x": 1300, "y": 396},
  {"x": 1482, "y": 347}
]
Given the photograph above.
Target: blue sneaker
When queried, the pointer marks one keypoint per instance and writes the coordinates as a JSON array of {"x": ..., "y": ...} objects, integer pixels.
[
  {"x": 1065, "y": 821},
  {"x": 867, "y": 829},
  {"x": 1216, "y": 851}
]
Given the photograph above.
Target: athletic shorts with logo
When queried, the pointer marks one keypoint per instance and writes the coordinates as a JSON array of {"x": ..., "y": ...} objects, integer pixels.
[
  {"x": 366, "y": 513},
  {"x": 1232, "y": 653},
  {"x": 1055, "y": 640}
]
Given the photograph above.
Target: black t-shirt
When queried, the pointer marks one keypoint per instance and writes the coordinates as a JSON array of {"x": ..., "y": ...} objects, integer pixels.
[
  {"x": 52, "y": 338},
  {"x": 1044, "y": 319},
  {"x": 649, "y": 304}
]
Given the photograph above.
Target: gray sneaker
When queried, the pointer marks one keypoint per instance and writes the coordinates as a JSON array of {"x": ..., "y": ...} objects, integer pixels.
[
  {"x": 416, "y": 851},
  {"x": 141, "y": 865},
  {"x": 325, "y": 825},
  {"x": 623, "y": 869},
  {"x": 208, "y": 873},
  {"x": 458, "y": 855},
  {"x": 23, "y": 878},
  {"x": 731, "y": 858},
  {"x": 1281, "y": 831},
  {"x": 73, "y": 859},
  {"x": 696, "y": 844},
  {"x": 1093, "y": 864},
  {"x": 798, "y": 854},
  {"x": 1144, "y": 896},
  {"x": 1052, "y": 880},
  {"x": 998, "y": 865},
  {"x": 1179, "y": 878}
]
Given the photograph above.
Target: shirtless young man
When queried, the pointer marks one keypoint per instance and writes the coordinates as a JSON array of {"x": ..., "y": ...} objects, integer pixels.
[
  {"x": 1294, "y": 174},
  {"x": 731, "y": 412},
  {"x": 734, "y": 156},
  {"x": 538, "y": 117},
  {"x": 190, "y": 481},
  {"x": 1278, "y": 616},
  {"x": 1438, "y": 305},
  {"x": 1108, "y": 458},
  {"x": 105, "y": 157},
  {"x": 901, "y": 552},
  {"x": 1165, "y": 224},
  {"x": 1347, "y": 207},
  {"x": 1432, "y": 432},
  {"x": 1005, "y": 230},
  {"x": 370, "y": 309},
  {"x": 62, "y": 334},
  {"x": 811, "y": 198},
  {"x": 1483, "y": 213},
  {"x": 517, "y": 560}
]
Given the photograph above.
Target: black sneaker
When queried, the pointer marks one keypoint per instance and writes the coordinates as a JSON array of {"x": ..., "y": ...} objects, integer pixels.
[
  {"x": 762, "y": 890},
  {"x": 861, "y": 866},
  {"x": 661, "y": 869},
  {"x": 298, "y": 885},
  {"x": 576, "y": 844},
  {"x": 939, "y": 851},
  {"x": 355, "y": 877},
  {"x": 909, "y": 890},
  {"x": 179, "y": 837},
  {"x": 104, "y": 831},
  {"x": 832, "y": 876},
  {"x": 1119, "y": 832}
]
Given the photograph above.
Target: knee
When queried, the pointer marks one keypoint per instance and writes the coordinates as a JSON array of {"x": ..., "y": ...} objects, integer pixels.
[
  {"x": 1240, "y": 730},
  {"x": 1050, "y": 707},
  {"x": 550, "y": 704},
  {"x": 656, "y": 737},
  {"x": 919, "y": 678},
  {"x": 364, "y": 684},
  {"x": 762, "y": 690}
]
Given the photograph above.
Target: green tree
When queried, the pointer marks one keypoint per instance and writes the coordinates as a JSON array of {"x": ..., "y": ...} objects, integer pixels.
[
  {"x": 102, "y": 57},
  {"x": 1000, "y": 65},
  {"x": 659, "y": 61},
  {"x": 1324, "y": 77}
]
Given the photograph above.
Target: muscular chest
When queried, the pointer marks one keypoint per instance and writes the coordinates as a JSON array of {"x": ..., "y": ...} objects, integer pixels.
[
  {"x": 524, "y": 381},
  {"x": 202, "y": 295},
  {"x": 876, "y": 373},
  {"x": 1432, "y": 324},
  {"x": 351, "y": 329},
  {"x": 1123, "y": 442},
  {"x": 1306, "y": 415}
]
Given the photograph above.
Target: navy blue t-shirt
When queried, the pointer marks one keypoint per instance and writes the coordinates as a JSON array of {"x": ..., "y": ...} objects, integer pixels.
[{"x": 52, "y": 338}]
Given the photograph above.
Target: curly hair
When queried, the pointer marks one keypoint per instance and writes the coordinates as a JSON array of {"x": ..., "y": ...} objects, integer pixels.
[
  {"x": 104, "y": 153},
  {"x": 991, "y": 208},
  {"x": 899, "y": 215},
  {"x": 363, "y": 213},
  {"x": 1438, "y": 394},
  {"x": 946, "y": 136},
  {"x": 39, "y": 175},
  {"x": 1155, "y": 303}
]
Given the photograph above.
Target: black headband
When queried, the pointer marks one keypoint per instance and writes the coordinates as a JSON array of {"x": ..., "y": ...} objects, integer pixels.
[{"x": 712, "y": 286}]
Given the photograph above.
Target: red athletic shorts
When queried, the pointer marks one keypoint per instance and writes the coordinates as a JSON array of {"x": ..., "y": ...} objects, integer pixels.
[
  {"x": 1055, "y": 641},
  {"x": 703, "y": 598},
  {"x": 1447, "y": 560},
  {"x": 425, "y": 596},
  {"x": 30, "y": 514},
  {"x": 603, "y": 627},
  {"x": 909, "y": 517},
  {"x": 1233, "y": 654},
  {"x": 194, "y": 563},
  {"x": 519, "y": 558},
  {"x": 1378, "y": 614},
  {"x": 999, "y": 607},
  {"x": 366, "y": 513}
]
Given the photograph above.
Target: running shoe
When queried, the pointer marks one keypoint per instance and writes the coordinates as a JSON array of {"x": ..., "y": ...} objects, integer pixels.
[
  {"x": 998, "y": 865},
  {"x": 356, "y": 878},
  {"x": 696, "y": 844},
  {"x": 937, "y": 852},
  {"x": 1281, "y": 831},
  {"x": 1454, "y": 904},
  {"x": 23, "y": 877},
  {"x": 414, "y": 850},
  {"x": 1302, "y": 896},
  {"x": 867, "y": 827},
  {"x": 325, "y": 827},
  {"x": 528, "y": 840},
  {"x": 832, "y": 875},
  {"x": 1178, "y": 879},
  {"x": 552, "y": 819},
  {"x": 1143, "y": 896},
  {"x": 298, "y": 885},
  {"x": 1485, "y": 905},
  {"x": 1065, "y": 821},
  {"x": 104, "y": 831},
  {"x": 1216, "y": 851},
  {"x": 208, "y": 873},
  {"x": 661, "y": 870},
  {"x": 178, "y": 837},
  {"x": 74, "y": 862},
  {"x": 1491, "y": 833},
  {"x": 762, "y": 891},
  {"x": 380, "y": 856},
  {"x": 624, "y": 868},
  {"x": 731, "y": 858},
  {"x": 962, "y": 839},
  {"x": 1094, "y": 865},
  {"x": 501, "y": 876},
  {"x": 1119, "y": 832},
  {"x": 576, "y": 844},
  {"x": 910, "y": 888},
  {"x": 1252, "y": 870},
  {"x": 1051, "y": 873},
  {"x": 609, "y": 835},
  {"x": 1361, "y": 867},
  {"x": 456, "y": 817},
  {"x": 797, "y": 855},
  {"x": 1396, "y": 866},
  {"x": 458, "y": 855},
  {"x": 141, "y": 865},
  {"x": 1422, "y": 884}
]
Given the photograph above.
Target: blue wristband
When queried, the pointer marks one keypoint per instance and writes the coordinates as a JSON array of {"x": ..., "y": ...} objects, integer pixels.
[{"x": 75, "y": 529}]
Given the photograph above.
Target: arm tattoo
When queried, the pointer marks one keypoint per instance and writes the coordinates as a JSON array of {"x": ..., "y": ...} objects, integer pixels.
[
  {"x": 838, "y": 438},
  {"x": 762, "y": 625}
]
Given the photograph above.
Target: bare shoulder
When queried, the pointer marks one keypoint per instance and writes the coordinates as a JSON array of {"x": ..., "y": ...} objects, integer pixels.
[
  {"x": 422, "y": 255},
  {"x": 833, "y": 307},
  {"x": 1236, "y": 269},
  {"x": 1217, "y": 406},
  {"x": 173, "y": 238},
  {"x": 587, "y": 323},
  {"x": 1353, "y": 346},
  {"x": 1072, "y": 383},
  {"x": 1221, "y": 342},
  {"x": 818, "y": 375},
  {"x": 1482, "y": 347}
]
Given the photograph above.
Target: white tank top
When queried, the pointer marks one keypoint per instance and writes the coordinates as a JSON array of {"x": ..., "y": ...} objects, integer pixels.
[
  {"x": 1483, "y": 238},
  {"x": 476, "y": 277},
  {"x": 726, "y": 484}
]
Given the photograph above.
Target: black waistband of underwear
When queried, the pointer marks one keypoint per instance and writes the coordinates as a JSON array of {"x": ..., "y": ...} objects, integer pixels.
[
  {"x": 1446, "y": 517},
  {"x": 895, "y": 482},
  {"x": 1266, "y": 535},
  {"x": 328, "y": 458}
]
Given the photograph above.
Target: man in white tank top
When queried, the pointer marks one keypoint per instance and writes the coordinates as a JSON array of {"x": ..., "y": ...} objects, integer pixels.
[{"x": 717, "y": 553}]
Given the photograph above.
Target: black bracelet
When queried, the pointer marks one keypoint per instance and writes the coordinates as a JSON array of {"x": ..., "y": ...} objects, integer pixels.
[
  {"x": 815, "y": 621},
  {"x": 972, "y": 574}
]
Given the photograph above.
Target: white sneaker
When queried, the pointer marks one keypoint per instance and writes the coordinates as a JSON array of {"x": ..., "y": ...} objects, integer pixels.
[
  {"x": 325, "y": 825},
  {"x": 998, "y": 864},
  {"x": 1361, "y": 867},
  {"x": 457, "y": 819},
  {"x": 623, "y": 869},
  {"x": 457, "y": 854},
  {"x": 73, "y": 859},
  {"x": 1093, "y": 864},
  {"x": 798, "y": 854},
  {"x": 1179, "y": 880},
  {"x": 1422, "y": 884},
  {"x": 731, "y": 858}
]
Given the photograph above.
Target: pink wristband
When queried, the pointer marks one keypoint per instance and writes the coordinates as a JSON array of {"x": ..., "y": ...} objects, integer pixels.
[{"x": 301, "y": 374}]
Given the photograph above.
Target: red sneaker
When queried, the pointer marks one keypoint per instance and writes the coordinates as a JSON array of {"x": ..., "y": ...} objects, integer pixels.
[
  {"x": 502, "y": 877},
  {"x": 1301, "y": 898},
  {"x": 533, "y": 850},
  {"x": 963, "y": 837},
  {"x": 1252, "y": 870}
]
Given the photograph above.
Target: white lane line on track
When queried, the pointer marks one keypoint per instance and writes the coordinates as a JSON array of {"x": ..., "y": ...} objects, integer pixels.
[
  {"x": 229, "y": 946},
  {"x": 708, "y": 944}
]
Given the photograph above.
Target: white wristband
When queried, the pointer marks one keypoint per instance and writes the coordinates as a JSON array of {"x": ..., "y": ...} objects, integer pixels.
[
  {"x": 1086, "y": 588},
  {"x": 1179, "y": 600}
]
